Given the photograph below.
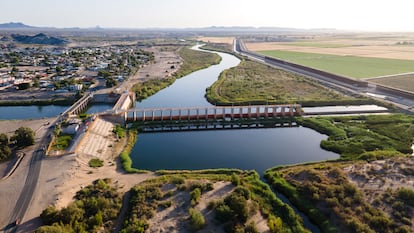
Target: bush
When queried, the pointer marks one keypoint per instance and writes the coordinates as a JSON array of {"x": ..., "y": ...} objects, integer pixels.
[
  {"x": 197, "y": 220},
  {"x": 95, "y": 162},
  {"x": 224, "y": 213},
  {"x": 275, "y": 224},
  {"x": 235, "y": 179},
  {"x": 24, "y": 136},
  {"x": 195, "y": 196},
  {"x": 406, "y": 195}
]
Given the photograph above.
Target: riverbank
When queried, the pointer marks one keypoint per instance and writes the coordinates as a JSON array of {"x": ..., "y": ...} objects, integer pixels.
[
  {"x": 351, "y": 197},
  {"x": 254, "y": 83},
  {"x": 192, "y": 60},
  {"x": 44, "y": 102}
]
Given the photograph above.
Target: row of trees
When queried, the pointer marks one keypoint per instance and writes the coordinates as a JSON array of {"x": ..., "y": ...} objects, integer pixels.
[{"x": 22, "y": 137}]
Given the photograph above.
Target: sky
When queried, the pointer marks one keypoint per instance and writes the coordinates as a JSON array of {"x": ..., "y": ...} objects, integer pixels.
[{"x": 368, "y": 15}]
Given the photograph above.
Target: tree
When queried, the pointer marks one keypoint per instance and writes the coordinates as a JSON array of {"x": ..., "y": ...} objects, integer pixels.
[
  {"x": 59, "y": 69},
  {"x": 4, "y": 140},
  {"x": 36, "y": 82},
  {"x": 110, "y": 82},
  {"x": 23, "y": 136},
  {"x": 24, "y": 86},
  {"x": 104, "y": 73},
  {"x": 5, "y": 152}
]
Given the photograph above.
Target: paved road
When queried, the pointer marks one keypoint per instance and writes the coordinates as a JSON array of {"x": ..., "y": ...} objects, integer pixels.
[
  {"x": 30, "y": 184},
  {"x": 400, "y": 101}
]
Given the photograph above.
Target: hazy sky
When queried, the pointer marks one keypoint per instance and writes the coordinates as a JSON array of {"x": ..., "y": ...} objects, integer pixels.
[{"x": 373, "y": 15}]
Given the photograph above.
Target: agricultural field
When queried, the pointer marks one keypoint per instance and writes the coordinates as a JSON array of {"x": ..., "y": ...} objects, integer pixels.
[
  {"x": 393, "y": 46},
  {"x": 354, "y": 55},
  {"x": 404, "y": 82},
  {"x": 351, "y": 66},
  {"x": 253, "y": 82}
]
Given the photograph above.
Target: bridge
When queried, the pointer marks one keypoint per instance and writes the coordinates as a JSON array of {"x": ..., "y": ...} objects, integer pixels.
[
  {"x": 212, "y": 113},
  {"x": 79, "y": 106}
]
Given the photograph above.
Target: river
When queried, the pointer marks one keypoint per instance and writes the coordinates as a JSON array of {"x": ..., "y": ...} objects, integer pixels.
[
  {"x": 249, "y": 149},
  {"x": 40, "y": 111}
]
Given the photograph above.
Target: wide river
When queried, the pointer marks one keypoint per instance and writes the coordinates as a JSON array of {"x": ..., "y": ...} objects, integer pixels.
[{"x": 256, "y": 149}]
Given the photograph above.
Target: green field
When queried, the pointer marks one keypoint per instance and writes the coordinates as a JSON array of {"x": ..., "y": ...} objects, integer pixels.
[{"x": 351, "y": 66}]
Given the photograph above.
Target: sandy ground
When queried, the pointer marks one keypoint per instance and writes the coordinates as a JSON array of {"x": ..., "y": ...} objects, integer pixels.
[
  {"x": 164, "y": 59},
  {"x": 61, "y": 177},
  {"x": 175, "y": 218},
  {"x": 33, "y": 94},
  {"x": 374, "y": 178},
  {"x": 226, "y": 40},
  {"x": 96, "y": 144},
  {"x": 378, "y": 51},
  {"x": 11, "y": 187}
]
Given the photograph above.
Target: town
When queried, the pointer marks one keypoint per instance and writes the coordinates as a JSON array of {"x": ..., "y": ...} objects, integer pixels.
[
  {"x": 62, "y": 73},
  {"x": 137, "y": 116}
]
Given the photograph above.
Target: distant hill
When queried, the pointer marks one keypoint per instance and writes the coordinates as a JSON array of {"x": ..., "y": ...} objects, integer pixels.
[
  {"x": 13, "y": 25},
  {"x": 38, "y": 39}
]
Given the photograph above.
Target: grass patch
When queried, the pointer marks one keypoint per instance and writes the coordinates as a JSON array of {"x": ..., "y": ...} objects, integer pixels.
[
  {"x": 352, "y": 137},
  {"x": 254, "y": 83},
  {"x": 195, "y": 60},
  {"x": 119, "y": 131},
  {"x": 62, "y": 142},
  {"x": 351, "y": 66},
  {"x": 124, "y": 156},
  {"x": 95, "y": 163}
]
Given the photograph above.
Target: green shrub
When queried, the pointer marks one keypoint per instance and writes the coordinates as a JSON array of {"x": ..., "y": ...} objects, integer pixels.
[
  {"x": 95, "y": 162},
  {"x": 195, "y": 196},
  {"x": 197, "y": 220},
  {"x": 406, "y": 195}
]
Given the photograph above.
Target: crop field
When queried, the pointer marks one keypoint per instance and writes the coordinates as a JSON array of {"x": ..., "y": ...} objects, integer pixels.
[
  {"x": 351, "y": 66},
  {"x": 404, "y": 82}
]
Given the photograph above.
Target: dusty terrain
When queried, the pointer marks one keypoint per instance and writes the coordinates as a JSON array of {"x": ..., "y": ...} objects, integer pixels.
[
  {"x": 34, "y": 94},
  {"x": 226, "y": 40},
  {"x": 164, "y": 59},
  {"x": 61, "y": 177},
  {"x": 11, "y": 187},
  {"x": 96, "y": 144},
  {"x": 405, "y": 81},
  {"x": 376, "y": 177},
  {"x": 174, "y": 219}
]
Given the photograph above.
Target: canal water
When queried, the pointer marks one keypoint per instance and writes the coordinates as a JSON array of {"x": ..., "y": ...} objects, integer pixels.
[
  {"x": 39, "y": 111},
  {"x": 249, "y": 149}
]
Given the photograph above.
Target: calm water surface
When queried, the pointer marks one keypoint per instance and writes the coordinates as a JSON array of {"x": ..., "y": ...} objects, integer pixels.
[
  {"x": 30, "y": 112},
  {"x": 256, "y": 149},
  {"x": 37, "y": 112},
  {"x": 248, "y": 149}
]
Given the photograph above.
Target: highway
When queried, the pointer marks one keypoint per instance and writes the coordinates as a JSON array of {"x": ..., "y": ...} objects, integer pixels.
[{"x": 402, "y": 101}]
